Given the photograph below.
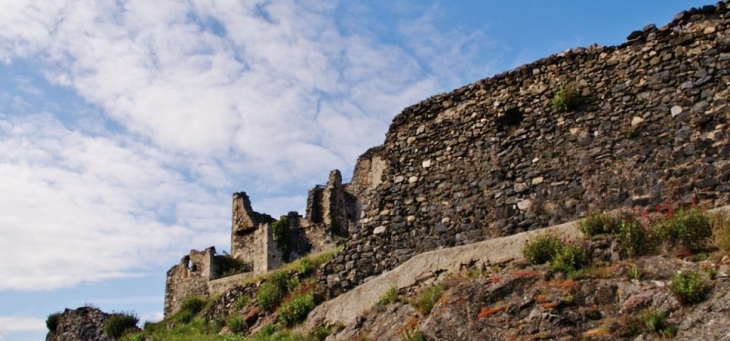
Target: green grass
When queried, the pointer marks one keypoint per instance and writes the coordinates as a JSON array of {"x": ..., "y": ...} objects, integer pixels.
[
  {"x": 388, "y": 297},
  {"x": 542, "y": 248},
  {"x": 657, "y": 322},
  {"x": 296, "y": 309},
  {"x": 193, "y": 304},
  {"x": 236, "y": 324},
  {"x": 428, "y": 298},
  {"x": 117, "y": 324},
  {"x": 565, "y": 99},
  {"x": 687, "y": 228},
  {"x": 242, "y": 301},
  {"x": 563, "y": 256},
  {"x": 268, "y": 296},
  {"x": 690, "y": 287}
]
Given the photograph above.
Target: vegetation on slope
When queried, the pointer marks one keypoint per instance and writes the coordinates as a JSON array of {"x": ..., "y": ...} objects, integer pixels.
[{"x": 276, "y": 302}]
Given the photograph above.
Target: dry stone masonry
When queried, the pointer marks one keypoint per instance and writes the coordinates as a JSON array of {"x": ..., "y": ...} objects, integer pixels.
[
  {"x": 331, "y": 212},
  {"x": 495, "y": 158}
]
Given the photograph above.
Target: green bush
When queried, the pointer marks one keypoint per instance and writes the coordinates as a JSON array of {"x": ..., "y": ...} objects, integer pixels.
[
  {"x": 631, "y": 235},
  {"x": 117, "y": 324},
  {"x": 52, "y": 322},
  {"x": 569, "y": 258},
  {"x": 657, "y": 322},
  {"x": 689, "y": 287},
  {"x": 268, "y": 296},
  {"x": 321, "y": 332},
  {"x": 389, "y": 297},
  {"x": 281, "y": 279},
  {"x": 595, "y": 224},
  {"x": 565, "y": 99},
  {"x": 542, "y": 249},
  {"x": 227, "y": 266},
  {"x": 428, "y": 298},
  {"x": 193, "y": 304},
  {"x": 305, "y": 266},
  {"x": 184, "y": 316},
  {"x": 134, "y": 337},
  {"x": 295, "y": 310},
  {"x": 282, "y": 237},
  {"x": 242, "y": 301},
  {"x": 236, "y": 324},
  {"x": 688, "y": 228}
]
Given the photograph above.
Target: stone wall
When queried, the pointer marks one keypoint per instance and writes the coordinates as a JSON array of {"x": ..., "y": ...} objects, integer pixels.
[
  {"x": 189, "y": 277},
  {"x": 244, "y": 224},
  {"x": 333, "y": 205},
  {"x": 495, "y": 158},
  {"x": 252, "y": 241},
  {"x": 85, "y": 323}
]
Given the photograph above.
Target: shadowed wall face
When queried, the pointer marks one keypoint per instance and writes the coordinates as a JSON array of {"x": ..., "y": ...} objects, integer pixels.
[{"x": 499, "y": 156}]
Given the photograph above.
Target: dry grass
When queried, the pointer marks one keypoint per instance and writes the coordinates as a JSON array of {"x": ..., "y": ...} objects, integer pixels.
[{"x": 720, "y": 222}]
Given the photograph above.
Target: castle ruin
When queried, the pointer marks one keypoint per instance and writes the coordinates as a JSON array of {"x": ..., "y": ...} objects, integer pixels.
[{"x": 332, "y": 211}]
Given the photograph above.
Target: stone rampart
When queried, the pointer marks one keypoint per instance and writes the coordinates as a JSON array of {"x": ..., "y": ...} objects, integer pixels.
[{"x": 495, "y": 158}]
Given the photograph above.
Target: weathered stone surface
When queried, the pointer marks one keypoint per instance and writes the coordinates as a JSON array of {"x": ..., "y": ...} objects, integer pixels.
[
  {"x": 645, "y": 127},
  {"x": 85, "y": 323}
]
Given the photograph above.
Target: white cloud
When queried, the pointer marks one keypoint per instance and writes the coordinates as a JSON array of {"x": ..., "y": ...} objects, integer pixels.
[
  {"x": 207, "y": 97},
  {"x": 9, "y": 324},
  {"x": 154, "y": 316},
  {"x": 81, "y": 208}
]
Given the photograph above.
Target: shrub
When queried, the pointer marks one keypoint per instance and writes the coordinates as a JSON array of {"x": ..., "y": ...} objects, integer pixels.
[
  {"x": 295, "y": 310},
  {"x": 595, "y": 224},
  {"x": 242, "y": 301},
  {"x": 689, "y": 228},
  {"x": 193, "y": 304},
  {"x": 390, "y": 296},
  {"x": 657, "y": 322},
  {"x": 184, "y": 316},
  {"x": 689, "y": 287},
  {"x": 117, "y": 324},
  {"x": 52, "y": 322},
  {"x": 542, "y": 249},
  {"x": 281, "y": 279},
  {"x": 630, "y": 234},
  {"x": 268, "y": 296},
  {"x": 565, "y": 99},
  {"x": 321, "y": 332},
  {"x": 227, "y": 266},
  {"x": 134, "y": 337},
  {"x": 425, "y": 302},
  {"x": 236, "y": 324},
  {"x": 569, "y": 258},
  {"x": 305, "y": 266},
  {"x": 282, "y": 237}
]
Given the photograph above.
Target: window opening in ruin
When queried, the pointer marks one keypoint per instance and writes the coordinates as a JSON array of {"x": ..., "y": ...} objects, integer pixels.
[{"x": 510, "y": 120}]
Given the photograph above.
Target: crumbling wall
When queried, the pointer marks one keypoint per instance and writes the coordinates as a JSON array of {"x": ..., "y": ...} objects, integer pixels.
[
  {"x": 189, "y": 277},
  {"x": 244, "y": 226},
  {"x": 333, "y": 205},
  {"x": 495, "y": 157}
]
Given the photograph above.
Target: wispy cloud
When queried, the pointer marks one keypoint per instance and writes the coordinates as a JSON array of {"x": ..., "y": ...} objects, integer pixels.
[
  {"x": 10, "y": 324},
  {"x": 195, "y": 99}
]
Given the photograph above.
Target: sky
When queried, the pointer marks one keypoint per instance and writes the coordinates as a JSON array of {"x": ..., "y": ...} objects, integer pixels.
[{"x": 125, "y": 126}]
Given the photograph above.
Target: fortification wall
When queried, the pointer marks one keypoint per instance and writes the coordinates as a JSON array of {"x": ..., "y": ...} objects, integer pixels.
[
  {"x": 189, "y": 277},
  {"x": 495, "y": 158}
]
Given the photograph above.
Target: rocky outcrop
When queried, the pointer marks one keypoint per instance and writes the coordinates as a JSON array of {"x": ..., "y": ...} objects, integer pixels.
[
  {"x": 496, "y": 157},
  {"x": 85, "y": 323},
  {"x": 530, "y": 303}
]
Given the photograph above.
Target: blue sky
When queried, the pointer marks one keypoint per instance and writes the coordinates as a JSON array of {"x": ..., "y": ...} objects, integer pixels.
[{"x": 125, "y": 126}]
